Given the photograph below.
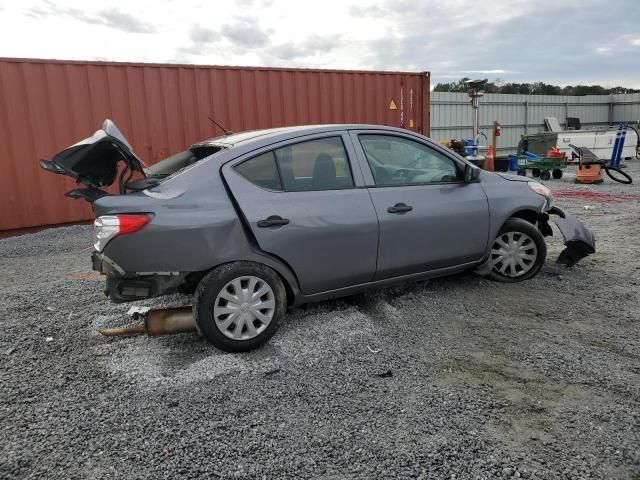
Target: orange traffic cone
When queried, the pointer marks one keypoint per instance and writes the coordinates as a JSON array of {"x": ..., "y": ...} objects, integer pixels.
[{"x": 488, "y": 163}]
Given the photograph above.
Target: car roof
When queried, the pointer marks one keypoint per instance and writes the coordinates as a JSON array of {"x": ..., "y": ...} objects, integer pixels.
[{"x": 267, "y": 135}]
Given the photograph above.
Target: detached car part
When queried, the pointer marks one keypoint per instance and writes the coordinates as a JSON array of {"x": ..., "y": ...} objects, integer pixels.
[
  {"x": 580, "y": 242},
  {"x": 158, "y": 322}
]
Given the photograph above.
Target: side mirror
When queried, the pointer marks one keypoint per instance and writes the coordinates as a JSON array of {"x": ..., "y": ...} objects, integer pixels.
[{"x": 471, "y": 174}]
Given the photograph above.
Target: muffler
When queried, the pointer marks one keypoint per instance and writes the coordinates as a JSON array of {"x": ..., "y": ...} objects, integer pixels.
[{"x": 165, "y": 321}]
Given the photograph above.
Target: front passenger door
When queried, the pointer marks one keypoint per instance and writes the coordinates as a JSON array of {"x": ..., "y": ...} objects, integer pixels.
[{"x": 429, "y": 218}]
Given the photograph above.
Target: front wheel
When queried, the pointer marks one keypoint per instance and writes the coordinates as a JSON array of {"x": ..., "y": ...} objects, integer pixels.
[
  {"x": 518, "y": 252},
  {"x": 238, "y": 306}
]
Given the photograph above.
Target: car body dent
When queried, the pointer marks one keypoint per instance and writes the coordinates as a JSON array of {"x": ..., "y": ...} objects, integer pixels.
[{"x": 210, "y": 234}]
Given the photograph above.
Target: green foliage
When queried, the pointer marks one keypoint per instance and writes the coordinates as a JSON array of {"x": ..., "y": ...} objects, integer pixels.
[{"x": 535, "y": 88}]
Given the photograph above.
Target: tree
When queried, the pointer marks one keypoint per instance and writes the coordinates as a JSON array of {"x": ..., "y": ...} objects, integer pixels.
[
  {"x": 458, "y": 86},
  {"x": 535, "y": 88}
]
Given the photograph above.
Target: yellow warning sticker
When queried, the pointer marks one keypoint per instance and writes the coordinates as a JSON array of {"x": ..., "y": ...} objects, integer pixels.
[
  {"x": 392, "y": 105},
  {"x": 411, "y": 123}
]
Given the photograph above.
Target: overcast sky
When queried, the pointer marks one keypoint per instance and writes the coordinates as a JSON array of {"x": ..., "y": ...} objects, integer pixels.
[{"x": 555, "y": 41}]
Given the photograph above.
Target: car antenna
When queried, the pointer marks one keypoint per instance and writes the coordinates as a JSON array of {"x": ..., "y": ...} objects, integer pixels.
[{"x": 226, "y": 132}]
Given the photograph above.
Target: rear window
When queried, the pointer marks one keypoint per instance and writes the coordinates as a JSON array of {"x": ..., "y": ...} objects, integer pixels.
[
  {"x": 176, "y": 163},
  {"x": 262, "y": 171}
]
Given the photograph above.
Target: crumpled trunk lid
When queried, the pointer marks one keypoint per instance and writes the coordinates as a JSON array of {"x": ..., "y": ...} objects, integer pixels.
[{"x": 94, "y": 161}]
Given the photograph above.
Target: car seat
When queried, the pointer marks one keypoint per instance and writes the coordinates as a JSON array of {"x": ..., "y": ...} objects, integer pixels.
[{"x": 324, "y": 172}]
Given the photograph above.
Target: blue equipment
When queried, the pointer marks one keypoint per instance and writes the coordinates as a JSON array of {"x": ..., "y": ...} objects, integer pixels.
[{"x": 618, "y": 145}]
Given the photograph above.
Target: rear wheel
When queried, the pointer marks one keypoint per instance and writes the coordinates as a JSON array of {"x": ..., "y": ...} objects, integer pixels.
[
  {"x": 556, "y": 173},
  {"x": 545, "y": 175},
  {"x": 518, "y": 252},
  {"x": 238, "y": 306}
]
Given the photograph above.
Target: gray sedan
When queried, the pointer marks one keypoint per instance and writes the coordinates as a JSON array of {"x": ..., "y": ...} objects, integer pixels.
[{"x": 256, "y": 222}]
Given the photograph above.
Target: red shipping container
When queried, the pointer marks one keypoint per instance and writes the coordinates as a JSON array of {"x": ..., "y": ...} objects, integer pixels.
[{"x": 47, "y": 105}]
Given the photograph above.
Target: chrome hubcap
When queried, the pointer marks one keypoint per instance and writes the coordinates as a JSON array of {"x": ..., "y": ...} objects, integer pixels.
[
  {"x": 244, "y": 308},
  {"x": 513, "y": 254}
]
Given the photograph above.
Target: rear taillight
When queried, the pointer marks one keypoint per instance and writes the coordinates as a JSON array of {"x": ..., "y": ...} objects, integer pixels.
[{"x": 107, "y": 227}]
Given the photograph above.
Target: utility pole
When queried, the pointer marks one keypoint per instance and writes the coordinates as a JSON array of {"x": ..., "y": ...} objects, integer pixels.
[{"x": 476, "y": 90}]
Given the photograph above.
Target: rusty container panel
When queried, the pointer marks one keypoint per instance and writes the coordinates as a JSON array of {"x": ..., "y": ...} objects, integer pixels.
[{"x": 47, "y": 105}]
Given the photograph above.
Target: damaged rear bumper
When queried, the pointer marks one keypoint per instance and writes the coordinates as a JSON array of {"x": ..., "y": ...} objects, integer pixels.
[
  {"x": 578, "y": 239},
  {"x": 127, "y": 287}
]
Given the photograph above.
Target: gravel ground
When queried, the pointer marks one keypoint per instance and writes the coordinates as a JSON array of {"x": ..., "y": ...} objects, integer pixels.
[{"x": 456, "y": 378}]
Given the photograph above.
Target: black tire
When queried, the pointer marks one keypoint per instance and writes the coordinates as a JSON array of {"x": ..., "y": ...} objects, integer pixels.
[
  {"x": 556, "y": 173},
  {"x": 535, "y": 172},
  {"x": 519, "y": 226},
  {"x": 545, "y": 175},
  {"x": 206, "y": 296},
  {"x": 522, "y": 172}
]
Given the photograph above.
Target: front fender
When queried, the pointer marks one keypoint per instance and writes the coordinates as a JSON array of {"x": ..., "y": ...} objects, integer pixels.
[{"x": 579, "y": 240}]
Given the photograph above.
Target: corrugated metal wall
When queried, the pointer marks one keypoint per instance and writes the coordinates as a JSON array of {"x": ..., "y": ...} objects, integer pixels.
[
  {"x": 47, "y": 105},
  {"x": 626, "y": 108},
  {"x": 451, "y": 115}
]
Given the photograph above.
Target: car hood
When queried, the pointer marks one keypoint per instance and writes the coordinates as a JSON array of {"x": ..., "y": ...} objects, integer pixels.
[{"x": 512, "y": 177}]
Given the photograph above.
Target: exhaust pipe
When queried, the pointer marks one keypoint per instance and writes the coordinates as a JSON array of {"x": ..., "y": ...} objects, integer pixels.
[
  {"x": 163, "y": 321},
  {"x": 169, "y": 320}
]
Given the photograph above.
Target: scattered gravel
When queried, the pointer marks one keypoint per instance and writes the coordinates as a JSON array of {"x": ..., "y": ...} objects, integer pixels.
[{"x": 456, "y": 378}]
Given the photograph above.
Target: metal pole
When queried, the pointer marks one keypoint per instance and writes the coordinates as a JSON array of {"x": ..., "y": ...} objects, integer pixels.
[
  {"x": 476, "y": 125},
  {"x": 476, "y": 90},
  {"x": 526, "y": 117},
  {"x": 494, "y": 144}
]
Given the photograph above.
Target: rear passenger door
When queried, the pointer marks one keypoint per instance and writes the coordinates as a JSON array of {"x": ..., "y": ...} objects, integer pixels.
[{"x": 302, "y": 202}]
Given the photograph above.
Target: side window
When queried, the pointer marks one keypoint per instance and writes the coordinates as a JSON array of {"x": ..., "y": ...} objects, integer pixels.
[
  {"x": 400, "y": 161},
  {"x": 320, "y": 164},
  {"x": 262, "y": 171}
]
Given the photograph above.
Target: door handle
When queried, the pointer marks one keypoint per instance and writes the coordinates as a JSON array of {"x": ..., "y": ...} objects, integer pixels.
[
  {"x": 273, "y": 221},
  {"x": 400, "y": 208}
]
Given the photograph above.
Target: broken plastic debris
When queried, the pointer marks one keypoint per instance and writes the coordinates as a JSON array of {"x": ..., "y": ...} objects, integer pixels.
[
  {"x": 136, "y": 309},
  {"x": 136, "y": 312},
  {"x": 49, "y": 339},
  {"x": 372, "y": 350}
]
